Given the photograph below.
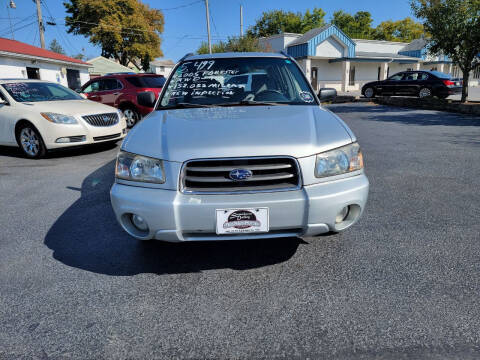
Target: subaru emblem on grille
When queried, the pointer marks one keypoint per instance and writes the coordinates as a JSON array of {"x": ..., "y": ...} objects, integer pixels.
[{"x": 240, "y": 174}]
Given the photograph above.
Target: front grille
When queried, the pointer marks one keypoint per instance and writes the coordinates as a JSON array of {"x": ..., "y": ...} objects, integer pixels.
[
  {"x": 106, "y": 137},
  {"x": 107, "y": 119},
  {"x": 213, "y": 176}
]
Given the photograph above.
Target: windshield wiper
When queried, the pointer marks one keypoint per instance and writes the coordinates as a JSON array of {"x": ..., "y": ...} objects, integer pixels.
[
  {"x": 252, "y": 102},
  {"x": 184, "y": 105}
]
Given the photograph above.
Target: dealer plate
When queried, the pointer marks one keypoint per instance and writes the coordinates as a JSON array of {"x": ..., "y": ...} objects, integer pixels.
[{"x": 235, "y": 221}]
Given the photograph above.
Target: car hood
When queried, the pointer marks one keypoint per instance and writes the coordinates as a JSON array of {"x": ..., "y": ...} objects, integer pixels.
[
  {"x": 69, "y": 107},
  {"x": 183, "y": 134}
]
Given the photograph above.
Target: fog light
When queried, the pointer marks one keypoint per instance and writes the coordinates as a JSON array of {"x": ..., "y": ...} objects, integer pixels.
[
  {"x": 63, "y": 140},
  {"x": 139, "y": 223},
  {"x": 342, "y": 215},
  {"x": 124, "y": 131}
]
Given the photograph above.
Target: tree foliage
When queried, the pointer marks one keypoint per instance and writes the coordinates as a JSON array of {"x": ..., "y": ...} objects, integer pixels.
[
  {"x": 402, "y": 30},
  {"x": 357, "y": 26},
  {"x": 454, "y": 30},
  {"x": 279, "y": 21},
  {"x": 234, "y": 44},
  {"x": 126, "y": 30},
  {"x": 56, "y": 47}
]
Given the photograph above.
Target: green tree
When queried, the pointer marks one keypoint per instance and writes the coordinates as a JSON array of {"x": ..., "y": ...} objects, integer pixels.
[
  {"x": 56, "y": 47},
  {"x": 454, "y": 30},
  {"x": 79, "y": 56},
  {"x": 402, "y": 30},
  {"x": 126, "y": 30},
  {"x": 233, "y": 44},
  {"x": 279, "y": 21},
  {"x": 356, "y": 26}
]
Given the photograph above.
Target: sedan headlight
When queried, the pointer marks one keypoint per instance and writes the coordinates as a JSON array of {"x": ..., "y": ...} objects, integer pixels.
[
  {"x": 339, "y": 161},
  {"x": 139, "y": 168},
  {"x": 59, "y": 118}
]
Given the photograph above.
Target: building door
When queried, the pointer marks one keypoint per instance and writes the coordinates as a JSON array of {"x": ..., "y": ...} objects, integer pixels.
[
  {"x": 315, "y": 78},
  {"x": 73, "y": 79},
  {"x": 33, "y": 73},
  {"x": 351, "y": 77}
]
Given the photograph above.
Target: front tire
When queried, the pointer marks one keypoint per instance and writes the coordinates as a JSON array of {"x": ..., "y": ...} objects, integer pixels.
[
  {"x": 131, "y": 116},
  {"x": 369, "y": 93},
  {"x": 31, "y": 142},
  {"x": 425, "y": 93}
]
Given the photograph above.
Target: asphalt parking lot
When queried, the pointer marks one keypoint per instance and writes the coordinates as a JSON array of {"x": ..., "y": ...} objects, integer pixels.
[{"x": 403, "y": 283}]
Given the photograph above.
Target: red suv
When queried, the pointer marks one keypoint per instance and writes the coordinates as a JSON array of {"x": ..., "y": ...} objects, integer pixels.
[{"x": 121, "y": 89}]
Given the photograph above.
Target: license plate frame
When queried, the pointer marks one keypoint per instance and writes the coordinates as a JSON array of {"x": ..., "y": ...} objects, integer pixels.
[{"x": 242, "y": 221}]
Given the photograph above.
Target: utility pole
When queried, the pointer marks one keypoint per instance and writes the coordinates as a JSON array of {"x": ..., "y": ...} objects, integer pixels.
[
  {"x": 41, "y": 28},
  {"x": 241, "y": 20},
  {"x": 208, "y": 27}
]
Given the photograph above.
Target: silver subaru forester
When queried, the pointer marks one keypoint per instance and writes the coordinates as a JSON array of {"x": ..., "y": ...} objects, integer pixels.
[{"x": 238, "y": 147}]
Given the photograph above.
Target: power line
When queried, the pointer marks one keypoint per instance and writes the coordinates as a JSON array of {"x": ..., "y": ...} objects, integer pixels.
[
  {"x": 60, "y": 33},
  {"x": 181, "y": 6},
  {"x": 16, "y": 29}
]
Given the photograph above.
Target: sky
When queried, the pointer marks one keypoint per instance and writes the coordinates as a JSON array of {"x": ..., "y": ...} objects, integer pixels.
[{"x": 185, "y": 20}]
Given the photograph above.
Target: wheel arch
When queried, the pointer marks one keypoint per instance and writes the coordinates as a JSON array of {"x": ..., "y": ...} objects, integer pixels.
[
  {"x": 127, "y": 104},
  {"x": 19, "y": 124}
]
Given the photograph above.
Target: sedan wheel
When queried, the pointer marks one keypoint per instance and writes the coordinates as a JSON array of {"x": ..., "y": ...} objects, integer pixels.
[
  {"x": 369, "y": 93},
  {"x": 131, "y": 116},
  {"x": 31, "y": 142},
  {"x": 424, "y": 93}
]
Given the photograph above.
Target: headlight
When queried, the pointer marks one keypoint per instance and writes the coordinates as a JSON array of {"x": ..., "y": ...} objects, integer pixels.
[
  {"x": 339, "y": 161},
  {"x": 120, "y": 114},
  {"x": 139, "y": 168},
  {"x": 59, "y": 118}
]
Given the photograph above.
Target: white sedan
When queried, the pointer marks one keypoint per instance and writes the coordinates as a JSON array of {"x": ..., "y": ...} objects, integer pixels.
[{"x": 39, "y": 115}]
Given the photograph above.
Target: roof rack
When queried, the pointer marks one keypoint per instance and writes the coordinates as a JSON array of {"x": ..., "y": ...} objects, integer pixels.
[
  {"x": 186, "y": 56},
  {"x": 285, "y": 54},
  {"x": 121, "y": 73}
]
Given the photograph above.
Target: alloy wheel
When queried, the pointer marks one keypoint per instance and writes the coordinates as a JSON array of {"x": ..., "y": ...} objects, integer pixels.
[
  {"x": 425, "y": 92},
  {"x": 369, "y": 93},
  {"x": 30, "y": 142},
  {"x": 131, "y": 117}
]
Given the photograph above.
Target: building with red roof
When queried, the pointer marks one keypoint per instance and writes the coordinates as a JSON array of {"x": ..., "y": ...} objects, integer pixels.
[{"x": 21, "y": 60}]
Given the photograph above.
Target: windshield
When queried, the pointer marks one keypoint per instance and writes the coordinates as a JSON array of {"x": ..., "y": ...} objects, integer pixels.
[
  {"x": 38, "y": 91},
  {"x": 245, "y": 81}
]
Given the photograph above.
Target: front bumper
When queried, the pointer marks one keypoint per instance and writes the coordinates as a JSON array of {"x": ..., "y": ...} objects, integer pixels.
[{"x": 173, "y": 216}]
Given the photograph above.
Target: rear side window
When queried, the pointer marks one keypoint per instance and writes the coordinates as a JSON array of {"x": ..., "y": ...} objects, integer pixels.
[
  {"x": 147, "y": 81},
  {"x": 422, "y": 76},
  {"x": 109, "y": 84}
]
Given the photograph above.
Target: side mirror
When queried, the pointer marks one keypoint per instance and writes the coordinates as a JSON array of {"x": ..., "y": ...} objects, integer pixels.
[
  {"x": 327, "y": 94},
  {"x": 146, "y": 98}
]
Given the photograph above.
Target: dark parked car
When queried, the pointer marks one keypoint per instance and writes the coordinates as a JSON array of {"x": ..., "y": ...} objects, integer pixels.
[
  {"x": 121, "y": 90},
  {"x": 414, "y": 83}
]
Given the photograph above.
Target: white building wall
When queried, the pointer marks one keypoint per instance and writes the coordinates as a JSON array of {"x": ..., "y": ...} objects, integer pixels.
[
  {"x": 279, "y": 42},
  {"x": 17, "y": 68},
  {"x": 165, "y": 71},
  {"x": 330, "y": 48},
  {"x": 378, "y": 46},
  {"x": 396, "y": 67},
  {"x": 366, "y": 72},
  {"x": 329, "y": 74}
]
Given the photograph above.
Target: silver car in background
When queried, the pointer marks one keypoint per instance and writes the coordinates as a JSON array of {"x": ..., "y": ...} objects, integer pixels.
[{"x": 221, "y": 161}]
